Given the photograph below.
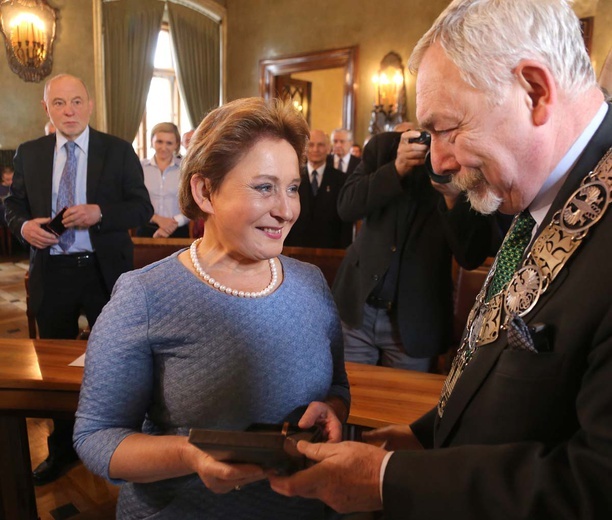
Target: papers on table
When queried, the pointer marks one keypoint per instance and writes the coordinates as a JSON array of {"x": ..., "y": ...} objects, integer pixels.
[{"x": 78, "y": 362}]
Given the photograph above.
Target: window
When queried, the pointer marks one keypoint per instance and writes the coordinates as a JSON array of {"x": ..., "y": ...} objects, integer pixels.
[{"x": 164, "y": 103}]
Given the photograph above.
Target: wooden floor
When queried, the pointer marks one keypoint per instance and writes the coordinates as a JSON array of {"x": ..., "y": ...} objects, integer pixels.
[{"x": 78, "y": 495}]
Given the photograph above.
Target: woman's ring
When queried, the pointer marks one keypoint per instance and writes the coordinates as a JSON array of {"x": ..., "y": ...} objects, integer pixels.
[{"x": 237, "y": 488}]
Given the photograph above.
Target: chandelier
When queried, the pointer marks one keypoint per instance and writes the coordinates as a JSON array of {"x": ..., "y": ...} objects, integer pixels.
[{"x": 28, "y": 27}]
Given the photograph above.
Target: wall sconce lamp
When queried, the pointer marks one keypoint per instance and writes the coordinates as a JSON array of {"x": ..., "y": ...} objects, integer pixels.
[
  {"x": 28, "y": 27},
  {"x": 389, "y": 94}
]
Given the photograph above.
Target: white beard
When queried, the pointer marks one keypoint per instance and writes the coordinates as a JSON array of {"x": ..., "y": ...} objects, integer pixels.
[{"x": 479, "y": 193}]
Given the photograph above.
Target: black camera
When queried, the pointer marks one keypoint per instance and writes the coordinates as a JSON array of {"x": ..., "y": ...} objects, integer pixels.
[{"x": 424, "y": 138}]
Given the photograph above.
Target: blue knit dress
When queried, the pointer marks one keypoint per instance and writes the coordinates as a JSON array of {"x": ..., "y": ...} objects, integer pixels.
[{"x": 169, "y": 353}]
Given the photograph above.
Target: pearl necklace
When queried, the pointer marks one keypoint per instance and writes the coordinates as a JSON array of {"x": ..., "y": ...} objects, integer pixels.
[{"x": 193, "y": 251}]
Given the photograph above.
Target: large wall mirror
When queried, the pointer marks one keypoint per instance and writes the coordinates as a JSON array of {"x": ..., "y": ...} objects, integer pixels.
[{"x": 320, "y": 84}]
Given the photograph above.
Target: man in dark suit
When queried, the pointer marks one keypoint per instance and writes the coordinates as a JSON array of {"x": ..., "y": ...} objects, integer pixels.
[
  {"x": 319, "y": 224},
  {"x": 341, "y": 157},
  {"x": 394, "y": 287},
  {"x": 523, "y": 429},
  {"x": 99, "y": 179}
]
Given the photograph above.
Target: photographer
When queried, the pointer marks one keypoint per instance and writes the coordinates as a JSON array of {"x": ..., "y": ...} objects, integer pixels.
[{"x": 394, "y": 287}]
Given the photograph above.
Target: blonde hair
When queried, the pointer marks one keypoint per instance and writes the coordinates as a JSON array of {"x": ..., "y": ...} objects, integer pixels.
[
  {"x": 168, "y": 128},
  {"x": 227, "y": 134}
]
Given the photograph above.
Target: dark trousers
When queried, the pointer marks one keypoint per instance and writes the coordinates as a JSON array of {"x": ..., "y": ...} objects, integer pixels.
[{"x": 72, "y": 285}]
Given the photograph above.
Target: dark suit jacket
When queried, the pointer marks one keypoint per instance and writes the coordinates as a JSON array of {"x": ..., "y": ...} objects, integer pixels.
[
  {"x": 353, "y": 163},
  {"x": 319, "y": 224},
  {"x": 114, "y": 181},
  {"x": 528, "y": 435},
  {"x": 409, "y": 215}
]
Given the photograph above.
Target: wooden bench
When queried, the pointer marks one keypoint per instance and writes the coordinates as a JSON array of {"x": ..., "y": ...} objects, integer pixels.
[
  {"x": 467, "y": 283},
  {"x": 149, "y": 250}
]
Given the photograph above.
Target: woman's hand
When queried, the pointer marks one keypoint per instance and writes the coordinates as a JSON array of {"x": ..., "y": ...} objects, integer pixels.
[
  {"x": 221, "y": 477},
  {"x": 167, "y": 224},
  {"x": 160, "y": 233},
  {"x": 324, "y": 416},
  {"x": 149, "y": 458}
]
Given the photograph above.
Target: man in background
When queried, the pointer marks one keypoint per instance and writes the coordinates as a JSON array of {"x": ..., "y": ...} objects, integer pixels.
[
  {"x": 319, "y": 224},
  {"x": 99, "y": 180},
  {"x": 186, "y": 139},
  {"x": 523, "y": 428},
  {"x": 394, "y": 287},
  {"x": 341, "y": 158}
]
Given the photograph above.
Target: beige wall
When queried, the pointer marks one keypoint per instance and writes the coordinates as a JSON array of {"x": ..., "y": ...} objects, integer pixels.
[
  {"x": 262, "y": 29},
  {"x": 23, "y": 118},
  {"x": 271, "y": 28},
  {"x": 602, "y": 35}
]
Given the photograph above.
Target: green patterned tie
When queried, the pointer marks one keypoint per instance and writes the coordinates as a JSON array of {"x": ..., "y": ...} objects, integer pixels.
[{"x": 511, "y": 253}]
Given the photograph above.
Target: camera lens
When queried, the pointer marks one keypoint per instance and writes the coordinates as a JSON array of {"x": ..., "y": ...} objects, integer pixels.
[{"x": 424, "y": 138}]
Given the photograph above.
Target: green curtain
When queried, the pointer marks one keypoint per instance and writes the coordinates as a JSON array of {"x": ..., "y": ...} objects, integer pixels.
[
  {"x": 196, "y": 43},
  {"x": 131, "y": 28}
]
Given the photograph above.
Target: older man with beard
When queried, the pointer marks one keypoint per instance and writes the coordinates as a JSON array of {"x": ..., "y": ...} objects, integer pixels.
[{"x": 523, "y": 428}]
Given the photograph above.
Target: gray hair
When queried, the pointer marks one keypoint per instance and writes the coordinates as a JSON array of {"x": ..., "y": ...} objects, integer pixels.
[
  {"x": 349, "y": 133},
  {"x": 486, "y": 39}
]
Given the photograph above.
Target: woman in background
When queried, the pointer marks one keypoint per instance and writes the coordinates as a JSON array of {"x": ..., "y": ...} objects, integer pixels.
[
  {"x": 162, "y": 174},
  {"x": 227, "y": 334}
]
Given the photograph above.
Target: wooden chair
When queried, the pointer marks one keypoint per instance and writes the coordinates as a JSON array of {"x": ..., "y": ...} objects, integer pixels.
[{"x": 467, "y": 285}]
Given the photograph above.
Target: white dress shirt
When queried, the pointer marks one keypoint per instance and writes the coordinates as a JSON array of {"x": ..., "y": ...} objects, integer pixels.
[
  {"x": 345, "y": 161},
  {"x": 163, "y": 188},
  {"x": 319, "y": 170}
]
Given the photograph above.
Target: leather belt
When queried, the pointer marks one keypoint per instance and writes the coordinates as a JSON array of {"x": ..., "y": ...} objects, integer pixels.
[
  {"x": 74, "y": 260},
  {"x": 379, "y": 303}
]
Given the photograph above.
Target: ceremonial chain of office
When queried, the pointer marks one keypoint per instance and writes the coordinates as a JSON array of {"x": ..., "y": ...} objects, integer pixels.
[{"x": 548, "y": 254}]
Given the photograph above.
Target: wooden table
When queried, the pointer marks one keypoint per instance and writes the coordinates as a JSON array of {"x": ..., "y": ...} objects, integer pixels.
[
  {"x": 383, "y": 396},
  {"x": 36, "y": 381}
]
